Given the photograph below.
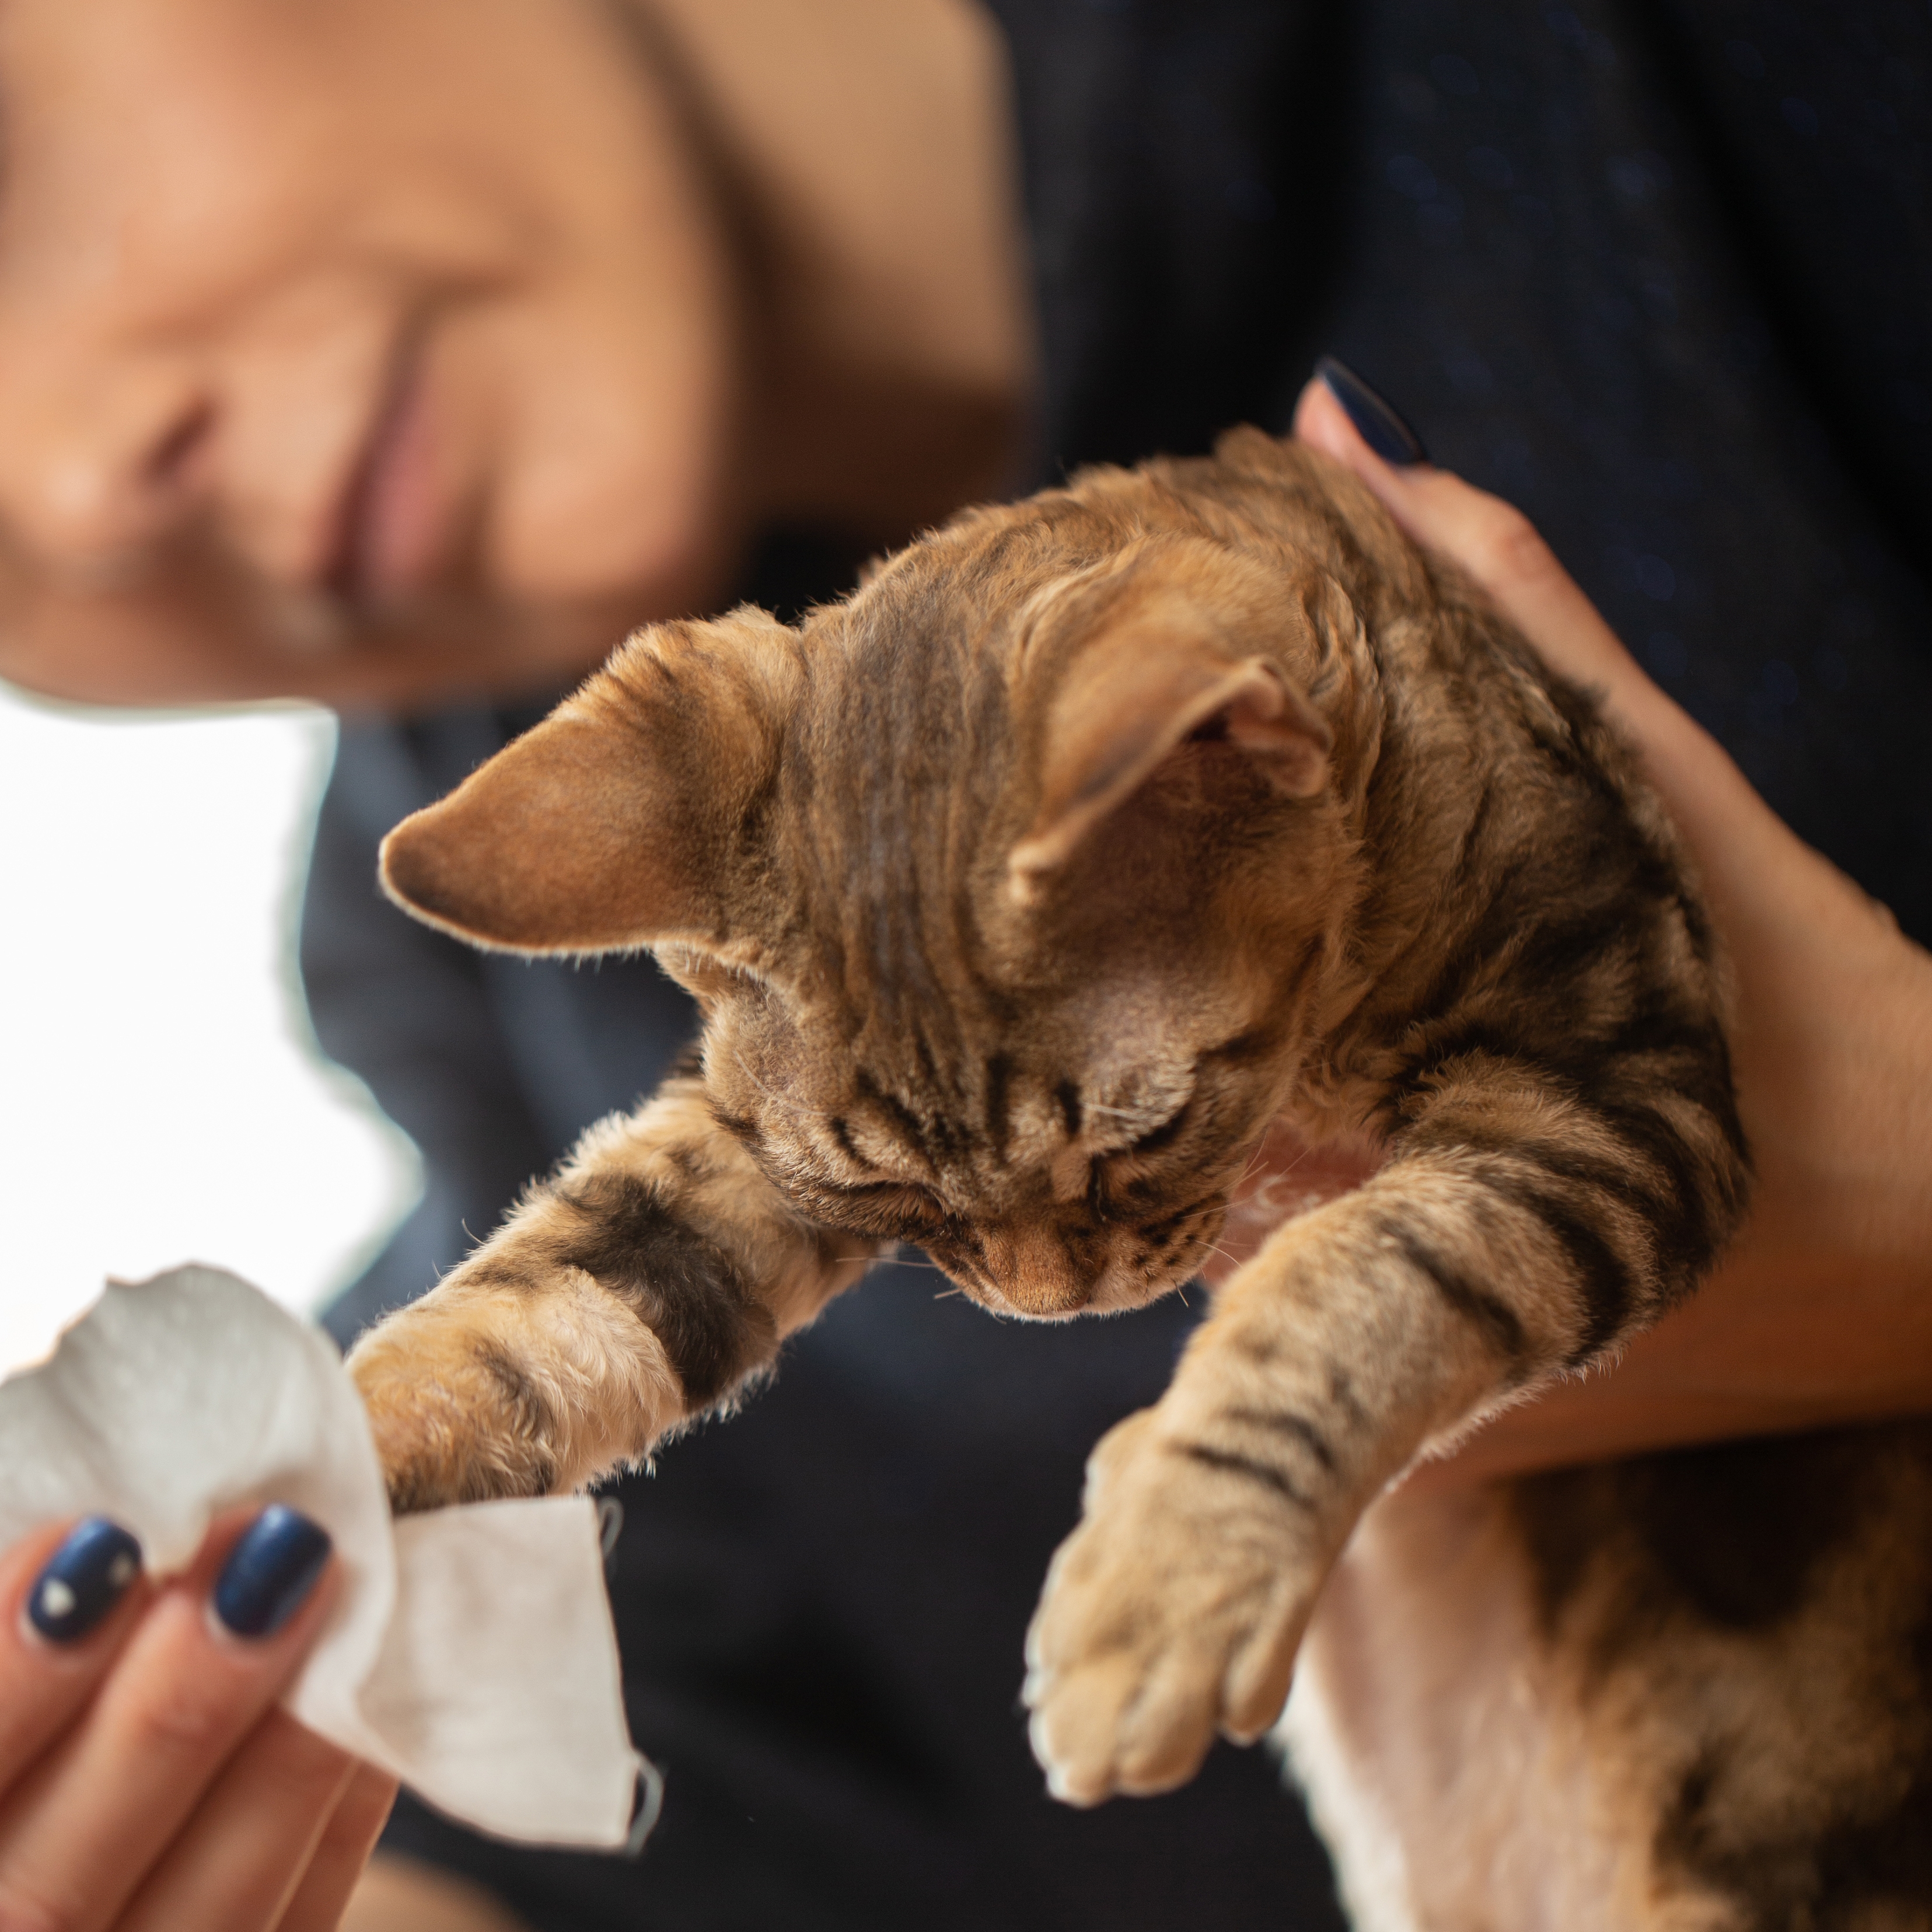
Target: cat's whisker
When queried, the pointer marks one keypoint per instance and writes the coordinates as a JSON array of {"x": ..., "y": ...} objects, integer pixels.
[
  {"x": 1254, "y": 1161},
  {"x": 1258, "y": 1159}
]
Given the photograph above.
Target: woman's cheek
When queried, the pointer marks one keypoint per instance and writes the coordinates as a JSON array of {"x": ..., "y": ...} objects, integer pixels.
[{"x": 614, "y": 470}]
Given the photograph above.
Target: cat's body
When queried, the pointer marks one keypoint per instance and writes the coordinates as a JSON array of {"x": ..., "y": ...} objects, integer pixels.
[
  {"x": 1026, "y": 892},
  {"x": 1691, "y": 1692}
]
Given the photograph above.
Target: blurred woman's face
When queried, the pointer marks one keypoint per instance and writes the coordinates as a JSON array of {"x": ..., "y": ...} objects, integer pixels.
[{"x": 392, "y": 297}]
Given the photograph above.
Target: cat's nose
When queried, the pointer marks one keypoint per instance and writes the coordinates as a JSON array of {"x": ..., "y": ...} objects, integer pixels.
[{"x": 1036, "y": 1270}]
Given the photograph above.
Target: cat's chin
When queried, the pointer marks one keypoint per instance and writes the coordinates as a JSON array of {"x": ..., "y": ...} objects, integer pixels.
[
  {"x": 1119, "y": 1296},
  {"x": 1117, "y": 1292},
  {"x": 1014, "y": 1313}
]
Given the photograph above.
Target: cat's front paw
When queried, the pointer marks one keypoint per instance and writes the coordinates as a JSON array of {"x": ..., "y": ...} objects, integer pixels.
[
  {"x": 505, "y": 1382},
  {"x": 1173, "y": 1611},
  {"x": 452, "y": 1419}
]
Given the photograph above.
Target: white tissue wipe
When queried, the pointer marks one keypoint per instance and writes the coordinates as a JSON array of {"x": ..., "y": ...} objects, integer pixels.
[
  {"x": 544, "y": 1755},
  {"x": 470, "y": 1650}
]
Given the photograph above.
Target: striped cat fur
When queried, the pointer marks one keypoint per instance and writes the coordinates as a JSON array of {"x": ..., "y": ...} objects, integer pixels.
[{"x": 1096, "y": 848}]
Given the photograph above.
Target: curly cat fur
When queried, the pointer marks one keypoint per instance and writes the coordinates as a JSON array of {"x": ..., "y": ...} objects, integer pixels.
[{"x": 1025, "y": 891}]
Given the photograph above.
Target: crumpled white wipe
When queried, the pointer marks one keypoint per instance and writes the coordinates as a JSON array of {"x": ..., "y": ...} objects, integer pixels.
[{"x": 471, "y": 1652}]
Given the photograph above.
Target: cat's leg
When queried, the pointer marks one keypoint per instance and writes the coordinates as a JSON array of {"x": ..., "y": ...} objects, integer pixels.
[
  {"x": 1515, "y": 1234},
  {"x": 1209, "y": 1520},
  {"x": 639, "y": 1287}
]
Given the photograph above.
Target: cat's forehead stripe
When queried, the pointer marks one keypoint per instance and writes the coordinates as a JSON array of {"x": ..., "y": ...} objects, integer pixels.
[{"x": 1013, "y": 1120}]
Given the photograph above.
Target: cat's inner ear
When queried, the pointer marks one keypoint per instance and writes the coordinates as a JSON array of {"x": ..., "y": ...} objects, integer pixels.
[
  {"x": 1143, "y": 687},
  {"x": 614, "y": 824}
]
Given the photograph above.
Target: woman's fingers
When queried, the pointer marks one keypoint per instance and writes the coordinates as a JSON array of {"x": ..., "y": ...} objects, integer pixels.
[
  {"x": 80, "y": 1833},
  {"x": 335, "y": 1870},
  {"x": 69, "y": 1599},
  {"x": 240, "y": 1858},
  {"x": 183, "y": 1789}
]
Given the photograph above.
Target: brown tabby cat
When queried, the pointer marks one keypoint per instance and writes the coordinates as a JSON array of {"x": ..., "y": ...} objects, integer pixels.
[{"x": 1097, "y": 851}]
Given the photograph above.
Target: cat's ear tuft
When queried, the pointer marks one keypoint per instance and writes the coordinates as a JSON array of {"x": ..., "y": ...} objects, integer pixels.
[
  {"x": 612, "y": 824},
  {"x": 1160, "y": 675}
]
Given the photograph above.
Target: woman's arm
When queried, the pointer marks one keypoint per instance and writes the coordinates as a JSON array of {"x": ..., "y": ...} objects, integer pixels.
[{"x": 1823, "y": 1312}]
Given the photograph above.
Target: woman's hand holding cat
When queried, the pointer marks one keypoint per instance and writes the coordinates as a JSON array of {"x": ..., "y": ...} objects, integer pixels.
[
  {"x": 1823, "y": 1311},
  {"x": 149, "y": 1779}
]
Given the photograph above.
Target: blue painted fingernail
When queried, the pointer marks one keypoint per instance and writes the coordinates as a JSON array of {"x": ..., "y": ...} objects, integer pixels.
[
  {"x": 84, "y": 1579},
  {"x": 270, "y": 1572},
  {"x": 1381, "y": 424}
]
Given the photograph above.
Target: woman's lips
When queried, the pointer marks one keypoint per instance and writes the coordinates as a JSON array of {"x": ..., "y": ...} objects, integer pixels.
[{"x": 393, "y": 530}]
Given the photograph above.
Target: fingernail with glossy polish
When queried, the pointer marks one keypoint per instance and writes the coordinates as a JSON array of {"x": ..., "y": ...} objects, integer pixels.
[
  {"x": 1380, "y": 423},
  {"x": 84, "y": 1579},
  {"x": 270, "y": 1572}
]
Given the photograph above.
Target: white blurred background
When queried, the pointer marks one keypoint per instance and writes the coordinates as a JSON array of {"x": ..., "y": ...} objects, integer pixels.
[{"x": 161, "y": 1099}]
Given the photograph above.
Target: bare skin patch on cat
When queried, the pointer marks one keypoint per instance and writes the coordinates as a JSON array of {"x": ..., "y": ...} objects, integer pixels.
[{"x": 1290, "y": 1174}]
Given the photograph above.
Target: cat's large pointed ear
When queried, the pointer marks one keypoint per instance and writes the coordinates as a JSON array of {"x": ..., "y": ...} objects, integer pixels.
[
  {"x": 1165, "y": 666},
  {"x": 614, "y": 824}
]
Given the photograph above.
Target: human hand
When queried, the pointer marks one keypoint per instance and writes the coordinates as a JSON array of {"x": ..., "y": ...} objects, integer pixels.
[
  {"x": 1823, "y": 1311},
  {"x": 148, "y": 1779}
]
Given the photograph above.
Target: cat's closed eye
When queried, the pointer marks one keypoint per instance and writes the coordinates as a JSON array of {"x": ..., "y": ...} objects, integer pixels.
[
  {"x": 893, "y": 1209},
  {"x": 1133, "y": 1172}
]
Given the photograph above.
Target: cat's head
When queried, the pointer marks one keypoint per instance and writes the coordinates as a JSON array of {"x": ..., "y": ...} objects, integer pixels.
[{"x": 1003, "y": 883}]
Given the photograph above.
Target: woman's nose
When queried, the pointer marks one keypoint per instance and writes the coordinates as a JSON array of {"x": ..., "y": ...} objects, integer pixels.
[{"x": 98, "y": 467}]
